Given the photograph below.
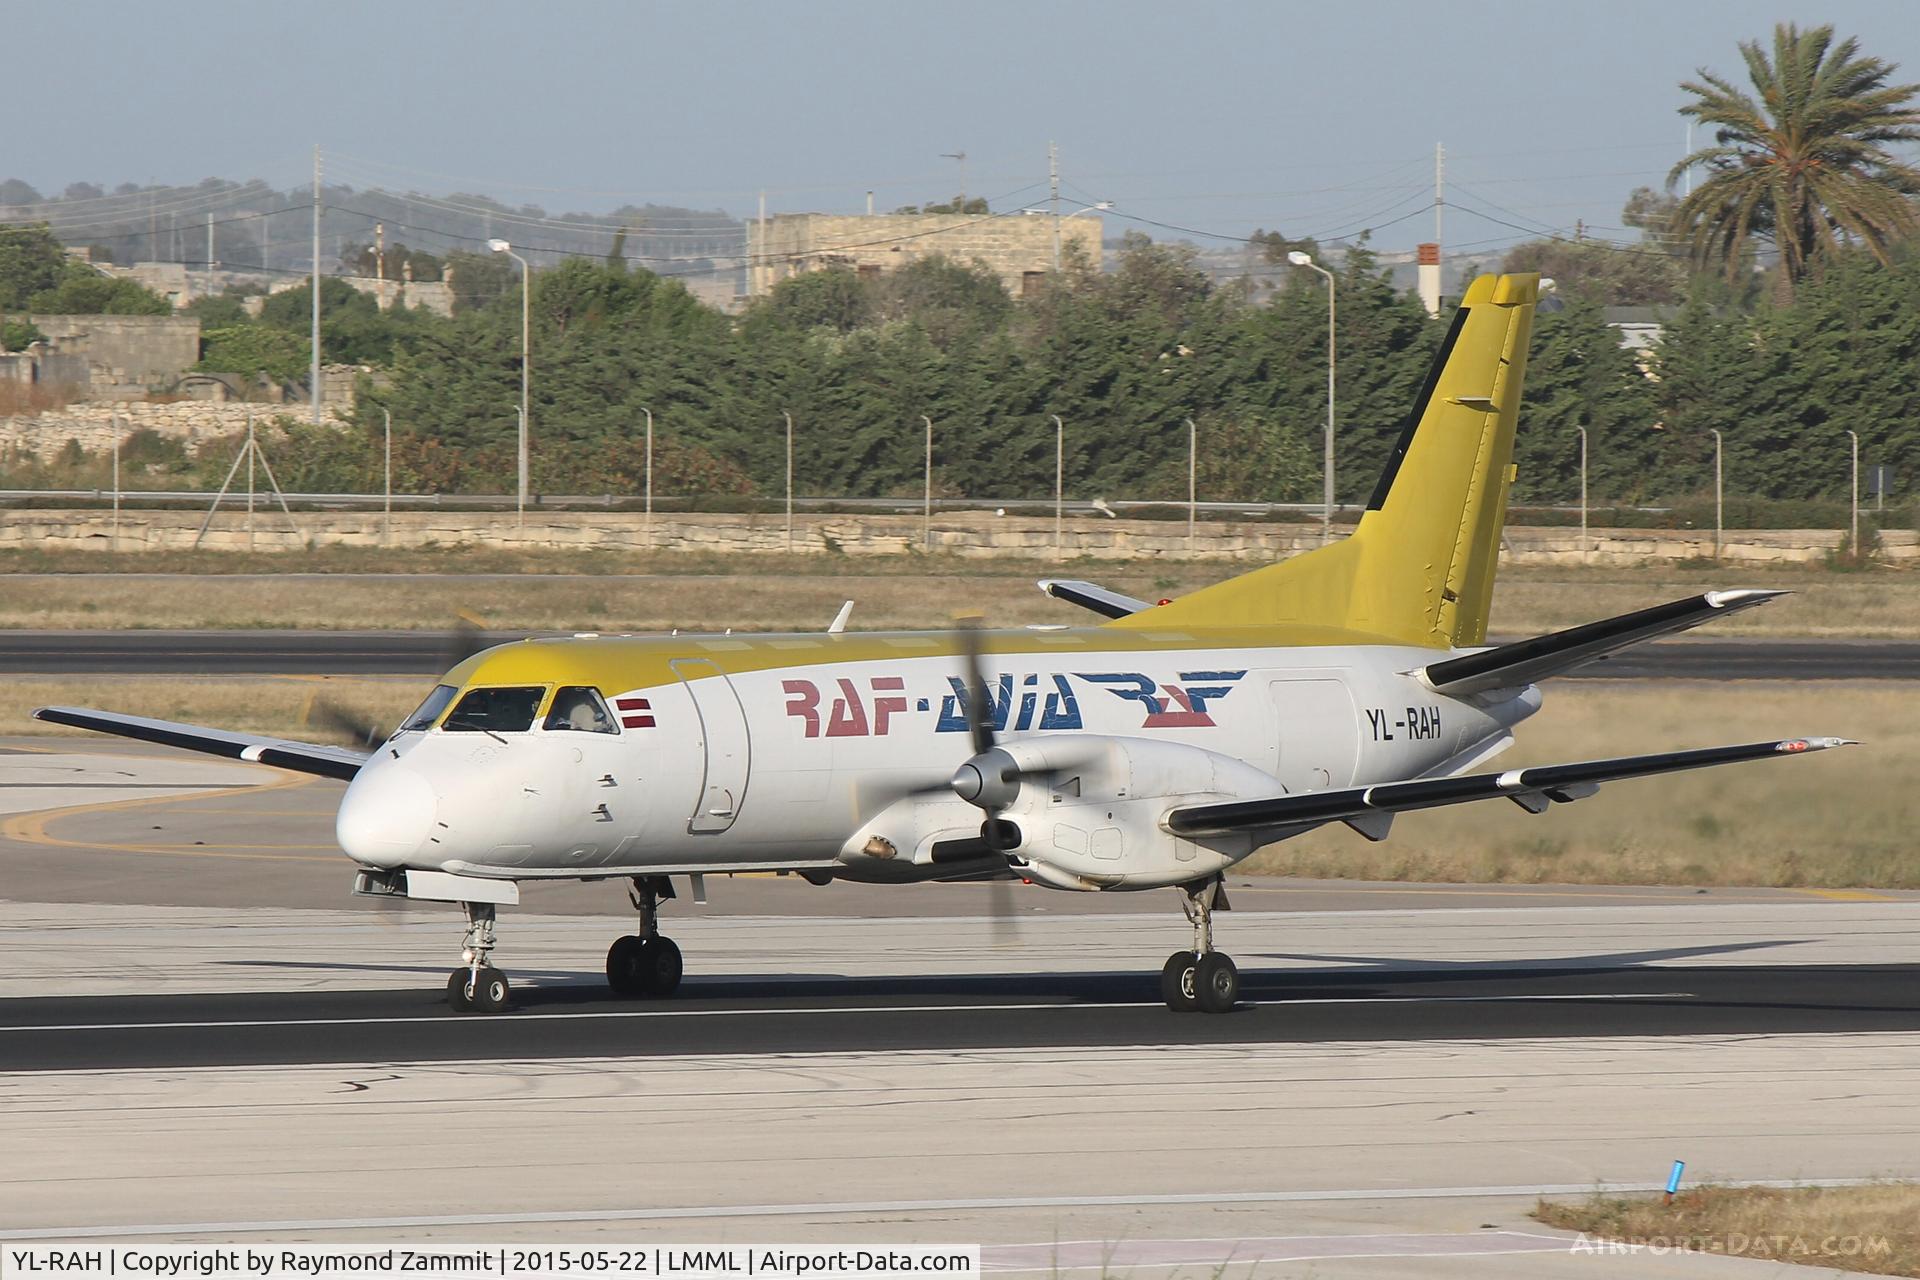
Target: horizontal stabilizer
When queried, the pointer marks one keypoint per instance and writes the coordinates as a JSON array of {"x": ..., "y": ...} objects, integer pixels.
[
  {"x": 1532, "y": 789},
  {"x": 1108, "y": 604},
  {"x": 1527, "y": 661},
  {"x": 299, "y": 757}
]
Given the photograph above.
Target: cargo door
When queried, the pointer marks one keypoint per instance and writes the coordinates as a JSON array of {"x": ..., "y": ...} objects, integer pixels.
[{"x": 1318, "y": 738}]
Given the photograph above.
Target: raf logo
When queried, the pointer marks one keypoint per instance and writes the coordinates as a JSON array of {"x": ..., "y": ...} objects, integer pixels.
[{"x": 1171, "y": 706}]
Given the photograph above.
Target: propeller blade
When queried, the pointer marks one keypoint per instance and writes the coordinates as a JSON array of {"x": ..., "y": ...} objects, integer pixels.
[
  {"x": 467, "y": 638},
  {"x": 1004, "y": 926},
  {"x": 326, "y": 714},
  {"x": 979, "y": 725}
]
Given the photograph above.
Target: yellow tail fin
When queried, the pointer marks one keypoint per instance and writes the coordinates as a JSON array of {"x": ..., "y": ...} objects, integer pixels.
[{"x": 1419, "y": 568}]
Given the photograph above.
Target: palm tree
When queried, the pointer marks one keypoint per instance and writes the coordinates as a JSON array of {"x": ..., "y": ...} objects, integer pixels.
[{"x": 1804, "y": 166}]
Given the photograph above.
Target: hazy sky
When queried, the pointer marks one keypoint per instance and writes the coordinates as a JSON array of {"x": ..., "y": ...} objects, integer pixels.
[{"x": 1315, "y": 118}]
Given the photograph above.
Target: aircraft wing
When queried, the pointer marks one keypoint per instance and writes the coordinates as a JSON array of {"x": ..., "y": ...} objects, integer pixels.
[
  {"x": 1532, "y": 789},
  {"x": 1090, "y": 595},
  {"x": 1527, "y": 661},
  {"x": 300, "y": 757}
]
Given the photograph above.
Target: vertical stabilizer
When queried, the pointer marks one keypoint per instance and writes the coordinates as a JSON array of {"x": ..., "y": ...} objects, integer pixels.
[{"x": 1419, "y": 567}]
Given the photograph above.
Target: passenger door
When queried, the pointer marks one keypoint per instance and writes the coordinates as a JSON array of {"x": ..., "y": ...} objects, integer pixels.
[{"x": 723, "y": 742}]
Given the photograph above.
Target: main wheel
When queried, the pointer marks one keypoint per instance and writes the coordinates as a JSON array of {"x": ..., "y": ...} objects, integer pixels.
[
  {"x": 1177, "y": 982},
  {"x": 660, "y": 967},
  {"x": 623, "y": 965},
  {"x": 488, "y": 992},
  {"x": 1216, "y": 982}
]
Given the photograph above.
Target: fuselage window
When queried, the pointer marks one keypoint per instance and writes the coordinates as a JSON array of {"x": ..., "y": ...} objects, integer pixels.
[
  {"x": 581, "y": 709},
  {"x": 495, "y": 711},
  {"x": 429, "y": 711}
]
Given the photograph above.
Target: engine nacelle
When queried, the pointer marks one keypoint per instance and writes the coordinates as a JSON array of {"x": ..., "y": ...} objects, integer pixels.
[{"x": 1091, "y": 810}]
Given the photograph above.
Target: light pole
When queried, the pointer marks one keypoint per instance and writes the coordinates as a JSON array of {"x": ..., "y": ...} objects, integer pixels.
[
  {"x": 649, "y": 482},
  {"x": 1059, "y": 474},
  {"x": 526, "y": 365},
  {"x": 1300, "y": 258},
  {"x": 1583, "y": 494},
  {"x": 926, "y": 508},
  {"x": 1193, "y": 469},
  {"x": 1719, "y": 509},
  {"x": 1854, "y": 504},
  {"x": 789, "y": 418},
  {"x": 386, "y": 506}
]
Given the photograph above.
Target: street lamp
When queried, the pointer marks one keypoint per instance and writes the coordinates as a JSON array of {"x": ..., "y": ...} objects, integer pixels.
[
  {"x": 1583, "y": 493},
  {"x": 1059, "y": 474},
  {"x": 1854, "y": 506},
  {"x": 1719, "y": 508},
  {"x": 789, "y": 418},
  {"x": 1300, "y": 258},
  {"x": 649, "y": 414},
  {"x": 1193, "y": 470},
  {"x": 926, "y": 510},
  {"x": 526, "y": 331}
]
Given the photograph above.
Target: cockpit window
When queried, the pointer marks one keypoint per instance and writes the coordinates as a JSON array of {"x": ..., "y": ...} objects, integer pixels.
[
  {"x": 577, "y": 707},
  {"x": 429, "y": 711},
  {"x": 495, "y": 711}
]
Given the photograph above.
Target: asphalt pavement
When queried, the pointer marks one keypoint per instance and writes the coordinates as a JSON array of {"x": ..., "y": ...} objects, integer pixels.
[
  {"x": 775, "y": 1014},
  {"x": 428, "y": 653}
]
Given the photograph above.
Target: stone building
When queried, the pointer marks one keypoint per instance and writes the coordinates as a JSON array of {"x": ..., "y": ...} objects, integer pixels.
[{"x": 1019, "y": 247}]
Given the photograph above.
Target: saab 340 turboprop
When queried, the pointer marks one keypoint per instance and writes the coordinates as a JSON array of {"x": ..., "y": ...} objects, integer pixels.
[{"x": 1156, "y": 748}]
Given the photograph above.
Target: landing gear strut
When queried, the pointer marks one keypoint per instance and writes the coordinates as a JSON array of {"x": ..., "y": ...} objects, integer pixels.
[
  {"x": 478, "y": 987},
  {"x": 1202, "y": 978},
  {"x": 645, "y": 964}
]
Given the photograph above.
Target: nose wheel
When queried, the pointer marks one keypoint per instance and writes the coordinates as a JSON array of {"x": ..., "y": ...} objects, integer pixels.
[
  {"x": 476, "y": 986},
  {"x": 645, "y": 965},
  {"x": 1201, "y": 979}
]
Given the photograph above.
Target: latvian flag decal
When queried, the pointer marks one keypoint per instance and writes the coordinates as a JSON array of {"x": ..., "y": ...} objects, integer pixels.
[{"x": 635, "y": 713}]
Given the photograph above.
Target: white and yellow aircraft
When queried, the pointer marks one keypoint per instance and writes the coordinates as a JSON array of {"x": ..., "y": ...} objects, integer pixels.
[{"x": 1157, "y": 748}]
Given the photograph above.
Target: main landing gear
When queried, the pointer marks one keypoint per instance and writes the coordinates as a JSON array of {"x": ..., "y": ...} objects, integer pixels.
[
  {"x": 478, "y": 987},
  {"x": 645, "y": 964},
  {"x": 1202, "y": 978}
]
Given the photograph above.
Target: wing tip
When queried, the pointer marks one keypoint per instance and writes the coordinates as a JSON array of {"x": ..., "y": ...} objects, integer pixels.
[
  {"x": 1743, "y": 597},
  {"x": 1797, "y": 746}
]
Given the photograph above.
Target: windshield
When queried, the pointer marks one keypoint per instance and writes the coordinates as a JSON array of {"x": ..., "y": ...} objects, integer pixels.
[
  {"x": 429, "y": 711},
  {"x": 577, "y": 707},
  {"x": 495, "y": 711}
]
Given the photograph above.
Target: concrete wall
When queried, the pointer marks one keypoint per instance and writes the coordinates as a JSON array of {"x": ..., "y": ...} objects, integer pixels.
[
  {"x": 967, "y": 535},
  {"x": 794, "y": 243}
]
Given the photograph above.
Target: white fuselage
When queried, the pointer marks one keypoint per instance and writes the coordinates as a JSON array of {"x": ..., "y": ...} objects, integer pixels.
[{"x": 843, "y": 766}]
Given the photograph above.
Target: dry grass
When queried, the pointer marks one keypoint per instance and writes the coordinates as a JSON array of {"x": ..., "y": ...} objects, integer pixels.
[
  {"x": 1836, "y": 819},
  {"x": 1875, "y": 1228},
  {"x": 804, "y": 592},
  {"x": 280, "y": 705}
]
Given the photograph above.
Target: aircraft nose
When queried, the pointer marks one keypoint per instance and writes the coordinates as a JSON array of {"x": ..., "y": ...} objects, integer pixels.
[{"x": 386, "y": 816}]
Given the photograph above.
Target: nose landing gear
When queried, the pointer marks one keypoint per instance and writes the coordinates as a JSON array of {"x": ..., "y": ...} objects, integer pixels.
[
  {"x": 478, "y": 987},
  {"x": 646, "y": 964},
  {"x": 1202, "y": 978}
]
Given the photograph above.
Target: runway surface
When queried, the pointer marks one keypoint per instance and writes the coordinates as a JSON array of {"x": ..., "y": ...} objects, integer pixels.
[
  {"x": 203, "y": 1036},
  {"x": 775, "y": 1014},
  {"x": 424, "y": 653}
]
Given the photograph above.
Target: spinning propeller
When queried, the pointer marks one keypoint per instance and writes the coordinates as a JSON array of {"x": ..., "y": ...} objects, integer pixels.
[{"x": 467, "y": 638}]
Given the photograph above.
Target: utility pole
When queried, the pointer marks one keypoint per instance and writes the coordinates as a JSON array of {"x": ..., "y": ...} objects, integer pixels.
[
  {"x": 1854, "y": 504},
  {"x": 1439, "y": 191},
  {"x": 649, "y": 414},
  {"x": 209, "y": 248},
  {"x": 1193, "y": 471},
  {"x": 314, "y": 371},
  {"x": 762, "y": 286},
  {"x": 1719, "y": 506},
  {"x": 1053, "y": 181},
  {"x": 789, "y": 418}
]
